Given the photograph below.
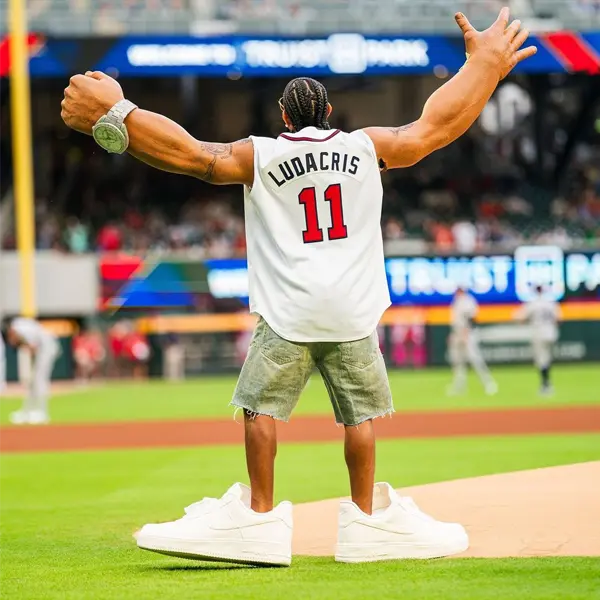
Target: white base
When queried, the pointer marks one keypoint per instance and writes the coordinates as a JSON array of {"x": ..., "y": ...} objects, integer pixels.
[{"x": 244, "y": 552}]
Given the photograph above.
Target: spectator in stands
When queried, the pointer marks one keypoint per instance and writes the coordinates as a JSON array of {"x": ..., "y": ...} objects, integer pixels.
[
  {"x": 491, "y": 207},
  {"x": 465, "y": 236},
  {"x": 89, "y": 355},
  {"x": 393, "y": 229},
  {"x": 440, "y": 234},
  {"x": 110, "y": 238},
  {"x": 136, "y": 353},
  {"x": 589, "y": 209},
  {"x": 76, "y": 236},
  {"x": 116, "y": 335},
  {"x": 48, "y": 233}
]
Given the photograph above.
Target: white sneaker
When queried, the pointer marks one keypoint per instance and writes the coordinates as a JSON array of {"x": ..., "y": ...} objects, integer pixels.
[
  {"x": 19, "y": 417},
  {"x": 396, "y": 530},
  {"x": 38, "y": 417},
  {"x": 491, "y": 388},
  {"x": 225, "y": 529}
]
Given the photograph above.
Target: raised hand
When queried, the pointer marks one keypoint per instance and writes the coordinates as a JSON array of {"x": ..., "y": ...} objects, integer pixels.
[
  {"x": 500, "y": 44},
  {"x": 87, "y": 98}
]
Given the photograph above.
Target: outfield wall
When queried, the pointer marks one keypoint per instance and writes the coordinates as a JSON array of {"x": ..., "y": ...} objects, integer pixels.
[
  {"x": 413, "y": 331},
  {"x": 409, "y": 338}
]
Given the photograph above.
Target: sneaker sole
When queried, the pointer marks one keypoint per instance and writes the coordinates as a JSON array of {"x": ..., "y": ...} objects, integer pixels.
[
  {"x": 217, "y": 551},
  {"x": 357, "y": 553}
]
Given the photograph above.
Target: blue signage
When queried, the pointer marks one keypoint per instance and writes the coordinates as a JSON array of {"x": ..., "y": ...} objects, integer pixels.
[
  {"x": 432, "y": 281},
  {"x": 338, "y": 54}
]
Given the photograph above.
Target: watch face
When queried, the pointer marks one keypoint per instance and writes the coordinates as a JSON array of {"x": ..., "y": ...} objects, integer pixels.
[{"x": 110, "y": 138}]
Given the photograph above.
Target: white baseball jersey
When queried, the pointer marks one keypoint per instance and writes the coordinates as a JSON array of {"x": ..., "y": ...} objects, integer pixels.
[
  {"x": 463, "y": 310},
  {"x": 543, "y": 315},
  {"x": 315, "y": 249},
  {"x": 31, "y": 332}
]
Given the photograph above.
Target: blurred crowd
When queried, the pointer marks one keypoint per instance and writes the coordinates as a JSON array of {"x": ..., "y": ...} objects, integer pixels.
[
  {"x": 478, "y": 208},
  {"x": 91, "y": 201},
  {"x": 94, "y": 202},
  {"x": 119, "y": 16},
  {"x": 120, "y": 351},
  {"x": 40, "y": 7}
]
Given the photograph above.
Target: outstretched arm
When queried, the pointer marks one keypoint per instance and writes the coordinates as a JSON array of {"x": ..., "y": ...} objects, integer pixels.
[
  {"x": 155, "y": 139},
  {"x": 165, "y": 145},
  {"x": 452, "y": 109}
]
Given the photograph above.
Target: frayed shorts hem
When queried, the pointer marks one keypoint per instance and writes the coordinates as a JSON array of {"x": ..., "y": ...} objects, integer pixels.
[
  {"x": 257, "y": 413},
  {"x": 378, "y": 415}
]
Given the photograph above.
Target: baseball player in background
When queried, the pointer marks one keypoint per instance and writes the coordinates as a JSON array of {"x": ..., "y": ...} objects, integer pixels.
[
  {"x": 44, "y": 349},
  {"x": 543, "y": 315},
  {"x": 463, "y": 345}
]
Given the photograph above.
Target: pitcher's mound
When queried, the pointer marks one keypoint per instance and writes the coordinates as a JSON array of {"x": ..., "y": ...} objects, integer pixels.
[{"x": 544, "y": 512}]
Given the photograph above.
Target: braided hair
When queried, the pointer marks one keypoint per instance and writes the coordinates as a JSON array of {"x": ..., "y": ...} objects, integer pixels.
[{"x": 305, "y": 103}]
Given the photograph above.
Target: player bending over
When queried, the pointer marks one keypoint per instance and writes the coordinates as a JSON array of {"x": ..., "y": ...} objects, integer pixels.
[
  {"x": 543, "y": 315},
  {"x": 313, "y": 201},
  {"x": 463, "y": 345},
  {"x": 44, "y": 350}
]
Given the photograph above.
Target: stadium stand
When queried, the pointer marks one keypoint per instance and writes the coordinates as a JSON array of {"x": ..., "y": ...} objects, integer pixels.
[{"x": 112, "y": 17}]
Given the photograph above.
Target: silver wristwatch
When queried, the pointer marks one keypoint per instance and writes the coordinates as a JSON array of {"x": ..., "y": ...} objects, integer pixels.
[{"x": 110, "y": 131}]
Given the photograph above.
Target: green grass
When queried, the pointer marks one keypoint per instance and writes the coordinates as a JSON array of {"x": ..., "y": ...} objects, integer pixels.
[
  {"x": 316, "y": 579},
  {"x": 66, "y": 520},
  {"x": 413, "y": 390}
]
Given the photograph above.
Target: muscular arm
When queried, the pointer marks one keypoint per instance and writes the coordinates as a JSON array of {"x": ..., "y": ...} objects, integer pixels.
[
  {"x": 165, "y": 145},
  {"x": 447, "y": 114},
  {"x": 452, "y": 109},
  {"x": 154, "y": 139}
]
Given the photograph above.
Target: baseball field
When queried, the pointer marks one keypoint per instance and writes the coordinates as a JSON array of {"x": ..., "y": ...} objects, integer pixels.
[{"x": 119, "y": 455}]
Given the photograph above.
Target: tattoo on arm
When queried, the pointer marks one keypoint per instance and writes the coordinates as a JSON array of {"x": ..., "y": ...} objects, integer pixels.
[
  {"x": 222, "y": 151},
  {"x": 218, "y": 151},
  {"x": 396, "y": 130}
]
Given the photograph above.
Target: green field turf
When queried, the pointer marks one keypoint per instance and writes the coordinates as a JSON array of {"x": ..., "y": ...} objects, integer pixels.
[
  {"x": 413, "y": 390},
  {"x": 67, "y": 519}
]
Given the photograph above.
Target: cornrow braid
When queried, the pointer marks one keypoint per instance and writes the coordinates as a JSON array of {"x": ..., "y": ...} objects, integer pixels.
[{"x": 305, "y": 102}]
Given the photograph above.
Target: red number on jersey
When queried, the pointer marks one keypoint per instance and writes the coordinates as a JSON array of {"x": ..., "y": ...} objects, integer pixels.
[
  {"x": 313, "y": 233},
  {"x": 338, "y": 230}
]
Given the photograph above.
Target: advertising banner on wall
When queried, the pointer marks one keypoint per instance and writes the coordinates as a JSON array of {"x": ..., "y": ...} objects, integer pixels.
[
  {"x": 511, "y": 344},
  {"x": 432, "y": 280},
  {"x": 426, "y": 281},
  {"x": 493, "y": 279},
  {"x": 270, "y": 56}
]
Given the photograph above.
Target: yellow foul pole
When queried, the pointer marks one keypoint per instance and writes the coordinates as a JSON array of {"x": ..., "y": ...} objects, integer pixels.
[{"x": 22, "y": 155}]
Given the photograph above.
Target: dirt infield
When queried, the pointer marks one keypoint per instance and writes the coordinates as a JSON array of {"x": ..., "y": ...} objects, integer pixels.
[
  {"x": 543, "y": 512},
  {"x": 156, "y": 434}
]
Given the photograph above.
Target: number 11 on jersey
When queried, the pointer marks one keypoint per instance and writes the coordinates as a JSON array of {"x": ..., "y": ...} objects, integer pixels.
[{"x": 313, "y": 233}]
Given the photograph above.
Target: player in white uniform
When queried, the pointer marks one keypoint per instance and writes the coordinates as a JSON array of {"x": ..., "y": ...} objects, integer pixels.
[
  {"x": 313, "y": 206},
  {"x": 463, "y": 345},
  {"x": 44, "y": 349},
  {"x": 543, "y": 315}
]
